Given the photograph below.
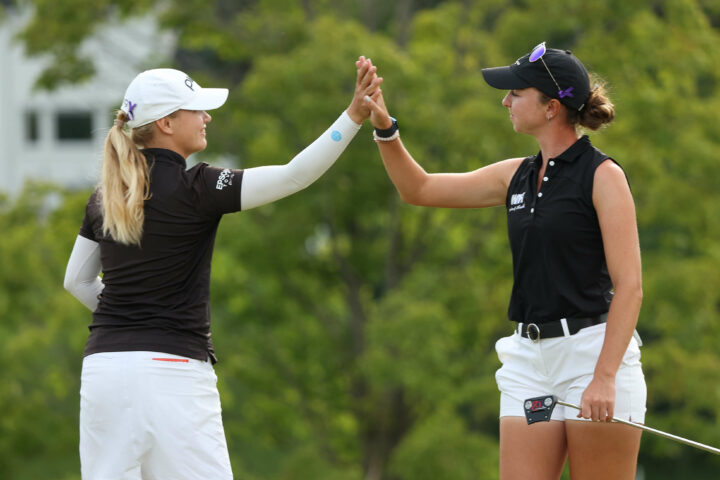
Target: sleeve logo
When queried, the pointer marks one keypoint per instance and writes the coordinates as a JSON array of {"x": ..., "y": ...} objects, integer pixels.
[{"x": 225, "y": 179}]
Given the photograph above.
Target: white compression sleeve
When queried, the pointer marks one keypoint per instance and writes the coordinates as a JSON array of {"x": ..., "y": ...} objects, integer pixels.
[
  {"x": 261, "y": 185},
  {"x": 81, "y": 275}
]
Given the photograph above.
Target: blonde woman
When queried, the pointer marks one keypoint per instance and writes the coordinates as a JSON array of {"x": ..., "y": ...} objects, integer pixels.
[{"x": 149, "y": 402}]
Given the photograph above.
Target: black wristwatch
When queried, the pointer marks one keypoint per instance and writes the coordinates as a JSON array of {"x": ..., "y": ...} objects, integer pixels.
[{"x": 388, "y": 132}]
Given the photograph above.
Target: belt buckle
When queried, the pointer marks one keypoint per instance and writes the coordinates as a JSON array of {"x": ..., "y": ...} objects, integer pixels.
[{"x": 533, "y": 332}]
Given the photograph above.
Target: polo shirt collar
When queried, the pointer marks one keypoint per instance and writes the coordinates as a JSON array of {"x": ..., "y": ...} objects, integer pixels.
[
  {"x": 572, "y": 153},
  {"x": 164, "y": 154}
]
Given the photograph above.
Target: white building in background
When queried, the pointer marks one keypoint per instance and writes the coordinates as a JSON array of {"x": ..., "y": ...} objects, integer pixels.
[{"x": 58, "y": 136}]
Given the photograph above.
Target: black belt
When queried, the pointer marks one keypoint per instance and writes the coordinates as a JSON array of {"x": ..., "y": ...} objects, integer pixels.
[{"x": 536, "y": 331}]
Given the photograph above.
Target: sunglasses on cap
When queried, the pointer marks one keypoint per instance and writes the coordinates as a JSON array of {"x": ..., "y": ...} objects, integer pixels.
[{"x": 537, "y": 54}]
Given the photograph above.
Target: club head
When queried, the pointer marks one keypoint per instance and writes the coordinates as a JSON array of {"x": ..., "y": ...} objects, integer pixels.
[{"x": 539, "y": 409}]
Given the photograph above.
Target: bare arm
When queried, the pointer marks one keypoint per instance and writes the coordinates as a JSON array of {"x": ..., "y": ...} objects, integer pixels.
[
  {"x": 616, "y": 213},
  {"x": 484, "y": 187}
]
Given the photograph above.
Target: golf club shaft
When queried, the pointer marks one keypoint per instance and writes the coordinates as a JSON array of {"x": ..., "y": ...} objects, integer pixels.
[{"x": 692, "y": 443}]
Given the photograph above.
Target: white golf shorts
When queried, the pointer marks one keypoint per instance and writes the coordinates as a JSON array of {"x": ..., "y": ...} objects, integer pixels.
[
  {"x": 564, "y": 367},
  {"x": 150, "y": 416}
]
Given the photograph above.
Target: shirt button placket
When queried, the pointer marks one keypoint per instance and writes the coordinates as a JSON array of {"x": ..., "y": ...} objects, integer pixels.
[
  {"x": 539, "y": 196},
  {"x": 551, "y": 163}
]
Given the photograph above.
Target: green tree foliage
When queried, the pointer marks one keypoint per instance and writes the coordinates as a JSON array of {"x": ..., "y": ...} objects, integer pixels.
[
  {"x": 41, "y": 335},
  {"x": 356, "y": 333}
]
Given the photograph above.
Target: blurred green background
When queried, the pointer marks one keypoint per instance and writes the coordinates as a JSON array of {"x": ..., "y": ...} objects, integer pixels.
[{"x": 355, "y": 333}]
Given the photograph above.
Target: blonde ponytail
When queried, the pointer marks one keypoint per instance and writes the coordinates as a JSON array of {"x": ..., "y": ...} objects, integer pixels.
[{"x": 125, "y": 183}]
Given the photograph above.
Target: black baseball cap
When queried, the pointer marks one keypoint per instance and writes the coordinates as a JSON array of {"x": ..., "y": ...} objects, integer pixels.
[{"x": 556, "y": 73}]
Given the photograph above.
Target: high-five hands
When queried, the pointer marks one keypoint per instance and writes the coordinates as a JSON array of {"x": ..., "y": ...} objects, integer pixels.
[
  {"x": 366, "y": 85},
  {"x": 379, "y": 116}
]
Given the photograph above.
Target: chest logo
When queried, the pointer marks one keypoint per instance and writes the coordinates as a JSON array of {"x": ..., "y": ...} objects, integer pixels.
[{"x": 517, "y": 201}]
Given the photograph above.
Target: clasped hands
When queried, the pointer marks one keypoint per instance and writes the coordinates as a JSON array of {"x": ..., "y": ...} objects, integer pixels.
[{"x": 368, "y": 101}]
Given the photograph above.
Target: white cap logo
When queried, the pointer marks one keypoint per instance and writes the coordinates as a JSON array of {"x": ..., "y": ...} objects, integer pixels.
[{"x": 154, "y": 94}]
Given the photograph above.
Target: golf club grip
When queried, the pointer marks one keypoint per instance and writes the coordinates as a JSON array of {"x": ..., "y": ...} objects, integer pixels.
[{"x": 692, "y": 443}]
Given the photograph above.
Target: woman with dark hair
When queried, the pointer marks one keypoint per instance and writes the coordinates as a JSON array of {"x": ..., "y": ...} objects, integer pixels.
[
  {"x": 149, "y": 401},
  {"x": 576, "y": 263}
]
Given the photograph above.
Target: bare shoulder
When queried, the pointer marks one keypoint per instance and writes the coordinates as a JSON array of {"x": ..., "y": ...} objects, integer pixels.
[
  {"x": 498, "y": 173},
  {"x": 512, "y": 162},
  {"x": 609, "y": 172},
  {"x": 610, "y": 183},
  {"x": 503, "y": 170}
]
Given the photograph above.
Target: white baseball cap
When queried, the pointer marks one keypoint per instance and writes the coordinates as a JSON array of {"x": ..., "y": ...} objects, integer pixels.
[{"x": 156, "y": 93}]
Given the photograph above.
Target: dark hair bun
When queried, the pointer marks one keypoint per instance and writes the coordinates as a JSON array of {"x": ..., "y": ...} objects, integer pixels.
[{"x": 598, "y": 110}]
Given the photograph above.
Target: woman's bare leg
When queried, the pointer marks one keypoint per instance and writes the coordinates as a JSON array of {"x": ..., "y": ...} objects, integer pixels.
[
  {"x": 602, "y": 450},
  {"x": 536, "y": 451}
]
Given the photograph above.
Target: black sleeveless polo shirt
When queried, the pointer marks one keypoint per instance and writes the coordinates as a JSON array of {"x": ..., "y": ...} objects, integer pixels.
[
  {"x": 559, "y": 265},
  {"x": 156, "y": 296}
]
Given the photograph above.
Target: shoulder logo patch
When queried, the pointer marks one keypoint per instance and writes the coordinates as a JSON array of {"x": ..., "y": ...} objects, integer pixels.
[{"x": 225, "y": 179}]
